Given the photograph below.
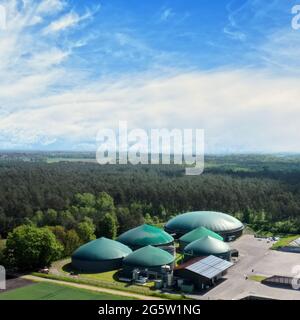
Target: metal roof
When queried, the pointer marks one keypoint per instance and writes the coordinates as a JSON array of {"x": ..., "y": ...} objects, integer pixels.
[
  {"x": 295, "y": 243},
  {"x": 209, "y": 267}
]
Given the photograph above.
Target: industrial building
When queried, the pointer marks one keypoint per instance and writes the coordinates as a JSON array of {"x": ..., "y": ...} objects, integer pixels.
[
  {"x": 207, "y": 246},
  {"x": 148, "y": 259},
  {"x": 100, "y": 255},
  {"x": 200, "y": 273},
  {"x": 145, "y": 235},
  {"x": 196, "y": 234},
  {"x": 223, "y": 224}
]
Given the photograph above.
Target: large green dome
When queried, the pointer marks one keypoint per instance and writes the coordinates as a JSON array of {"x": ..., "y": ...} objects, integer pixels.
[
  {"x": 218, "y": 222},
  {"x": 101, "y": 249},
  {"x": 197, "y": 234},
  {"x": 148, "y": 257},
  {"x": 145, "y": 235},
  {"x": 207, "y": 246}
]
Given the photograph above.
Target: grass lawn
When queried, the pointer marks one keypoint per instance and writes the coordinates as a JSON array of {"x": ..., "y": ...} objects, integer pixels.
[
  {"x": 109, "y": 277},
  {"x": 50, "y": 291},
  {"x": 257, "y": 278},
  {"x": 104, "y": 280},
  {"x": 285, "y": 241}
]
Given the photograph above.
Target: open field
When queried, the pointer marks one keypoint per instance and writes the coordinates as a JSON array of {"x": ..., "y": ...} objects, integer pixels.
[{"x": 51, "y": 291}]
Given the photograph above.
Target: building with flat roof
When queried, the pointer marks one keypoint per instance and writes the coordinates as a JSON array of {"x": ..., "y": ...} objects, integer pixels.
[{"x": 202, "y": 272}]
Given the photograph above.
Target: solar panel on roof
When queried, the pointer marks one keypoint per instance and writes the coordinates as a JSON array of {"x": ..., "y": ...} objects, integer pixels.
[
  {"x": 209, "y": 267},
  {"x": 295, "y": 243},
  {"x": 210, "y": 273}
]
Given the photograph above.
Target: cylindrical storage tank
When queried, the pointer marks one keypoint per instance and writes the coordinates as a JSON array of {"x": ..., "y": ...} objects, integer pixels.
[
  {"x": 146, "y": 235},
  {"x": 197, "y": 234},
  {"x": 207, "y": 246},
  {"x": 223, "y": 224},
  {"x": 150, "y": 258},
  {"x": 100, "y": 255}
]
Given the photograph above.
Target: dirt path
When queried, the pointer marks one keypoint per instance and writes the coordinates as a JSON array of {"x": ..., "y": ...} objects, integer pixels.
[{"x": 93, "y": 288}]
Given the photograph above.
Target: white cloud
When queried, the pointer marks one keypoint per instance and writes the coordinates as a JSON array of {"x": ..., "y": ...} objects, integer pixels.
[
  {"x": 43, "y": 100},
  {"x": 51, "y": 6},
  {"x": 69, "y": 20},
  {"x": 240, "y": 111}
]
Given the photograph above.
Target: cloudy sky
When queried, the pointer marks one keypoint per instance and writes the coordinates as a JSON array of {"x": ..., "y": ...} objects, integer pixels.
[{"x": 69, "y": 68}]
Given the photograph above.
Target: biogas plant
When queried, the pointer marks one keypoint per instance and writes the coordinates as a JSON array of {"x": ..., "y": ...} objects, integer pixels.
[{"x": 191, "y": 253}]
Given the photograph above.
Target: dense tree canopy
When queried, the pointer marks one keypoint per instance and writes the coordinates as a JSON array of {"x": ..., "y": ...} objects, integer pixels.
[
  {"x": 29, "y": 247},
  {"x": 66, "y": 193}
]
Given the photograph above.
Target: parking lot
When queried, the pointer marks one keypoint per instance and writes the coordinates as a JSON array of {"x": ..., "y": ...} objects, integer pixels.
[{"x": 255, "y": 259}]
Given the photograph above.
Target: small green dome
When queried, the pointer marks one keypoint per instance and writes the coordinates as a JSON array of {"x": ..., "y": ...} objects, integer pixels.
[
  {"x": 206, "y": 246},
  {"x": 101, "y": 249},
  {"x": 145, "y": 235},
  {"x": 198, "y": 234},
  {"x": 147, "y": 257}
]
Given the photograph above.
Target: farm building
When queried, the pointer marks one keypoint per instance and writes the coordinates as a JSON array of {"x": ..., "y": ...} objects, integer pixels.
[
  {"x": 223, "y": 224},
  {"x": 100, "y": 255},
  {"x": 145, "y": 235},
  {"x": 207, "y": 246},
  {"x": 201, "y": 272},
  {"x": 197, "y": 234},
  {"x": 147, "y": 258}
]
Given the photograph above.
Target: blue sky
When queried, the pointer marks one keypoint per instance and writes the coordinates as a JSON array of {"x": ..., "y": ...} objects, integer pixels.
[{"x": 230, "y": 67}]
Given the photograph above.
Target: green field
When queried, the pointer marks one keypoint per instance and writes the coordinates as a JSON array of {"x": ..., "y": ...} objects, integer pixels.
[
  {"x": 257, "y": 278},
  {"x": 50, "y": 291},
  {"x": 284, "y": 242}
]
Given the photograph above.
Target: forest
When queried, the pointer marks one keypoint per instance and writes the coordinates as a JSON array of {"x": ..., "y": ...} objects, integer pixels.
[{"x": 263, "y": 191}]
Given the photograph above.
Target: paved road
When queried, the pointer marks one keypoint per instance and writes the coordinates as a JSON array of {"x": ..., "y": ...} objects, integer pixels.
[
  {"x": 93, "y": 288},
  {"x": 255, "y": 254}
]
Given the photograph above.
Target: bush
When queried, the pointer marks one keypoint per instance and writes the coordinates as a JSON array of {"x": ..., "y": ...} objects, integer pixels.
[{"x": 29, "y": 247}]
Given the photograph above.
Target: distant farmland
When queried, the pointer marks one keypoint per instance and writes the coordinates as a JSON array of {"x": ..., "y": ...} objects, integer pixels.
[{"x": 50, "y": 291}]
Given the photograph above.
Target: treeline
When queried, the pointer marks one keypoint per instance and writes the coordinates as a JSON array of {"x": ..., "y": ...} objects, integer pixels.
[
  {"x": 50, "y": 235},
  {"x": 47, "y": 194}
]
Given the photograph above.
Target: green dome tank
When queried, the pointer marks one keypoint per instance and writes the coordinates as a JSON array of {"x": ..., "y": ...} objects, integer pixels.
[
  {"x": 225, "y": 225},
  {"x": 149, "y": 257},
  {"x": 145, "y": 235},
  {"x": 207, "y": 246},
  {"x": 100, "y": 255},
  {"x": 197, "y": 234}
]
